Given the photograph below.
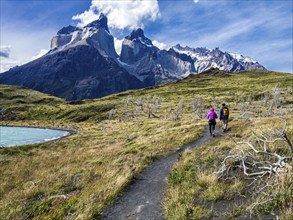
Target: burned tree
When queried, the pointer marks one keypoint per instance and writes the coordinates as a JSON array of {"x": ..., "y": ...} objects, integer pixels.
[
  {"x": 128, "y": 101},
  {"x": 179, "y": 111},
  {"x": 217, "y": 103},
  {"x": 260, "y": 160},
  {"x": 140, "y": 102},
  {"x": 112, "y": 112},
  {"x": 276, "y": 93},
  {"x": 197, "y": 105}
]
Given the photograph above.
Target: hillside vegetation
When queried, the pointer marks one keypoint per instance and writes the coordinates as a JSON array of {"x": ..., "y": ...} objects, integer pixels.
[{"x": 119, "y": 135}]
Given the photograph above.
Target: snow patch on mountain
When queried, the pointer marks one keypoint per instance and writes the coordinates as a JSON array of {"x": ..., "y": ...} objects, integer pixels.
[
  {"x": 242, "y": 58},
  {"x": 205, "y": 59},
  {"x": 118, "y": 45},
  {"x": 160, "y": 45}
]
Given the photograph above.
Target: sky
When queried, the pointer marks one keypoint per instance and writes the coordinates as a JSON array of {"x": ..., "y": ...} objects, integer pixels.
[{"x": 261, "y": 29}]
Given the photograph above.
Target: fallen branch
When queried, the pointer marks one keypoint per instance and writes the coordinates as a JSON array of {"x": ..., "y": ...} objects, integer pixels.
[{"x": 257, "y": 159}]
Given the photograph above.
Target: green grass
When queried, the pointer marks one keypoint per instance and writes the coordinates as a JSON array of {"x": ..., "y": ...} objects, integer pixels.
[{"x": 77, "y": 176}]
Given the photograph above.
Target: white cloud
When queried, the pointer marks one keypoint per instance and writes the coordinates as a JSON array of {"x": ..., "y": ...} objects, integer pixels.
[
  {"x": 7, "y": 63},
  {"x": 160, "y": 45},
  {"x": 228, "y": 32},
  {"x": 195, "y": 1},
  {"x": 24, "y": 43},
  {"x": 5, "y": 51},
  {"x": 40, "y": 54},
  {"x": 118, "y": 45},
  {"x": 13, "y": 60},
  {"x": 281, "y": 57},
  {"x": 121, "y": 14}
]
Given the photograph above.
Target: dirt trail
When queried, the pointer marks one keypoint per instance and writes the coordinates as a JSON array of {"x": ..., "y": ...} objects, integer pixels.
[{"x": 143, "y": 198}]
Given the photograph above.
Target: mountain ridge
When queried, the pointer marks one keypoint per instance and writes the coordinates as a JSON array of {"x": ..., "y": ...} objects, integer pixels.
[
  {"x": 84, "y": 62},
  {"x": 207, "y": 58}
]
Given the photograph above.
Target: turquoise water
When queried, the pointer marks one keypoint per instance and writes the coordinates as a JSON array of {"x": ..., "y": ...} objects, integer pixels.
[{"x": 12, "y": 136}]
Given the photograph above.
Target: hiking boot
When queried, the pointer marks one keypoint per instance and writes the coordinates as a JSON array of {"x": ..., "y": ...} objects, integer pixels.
[{"x": 214, "y": 135}]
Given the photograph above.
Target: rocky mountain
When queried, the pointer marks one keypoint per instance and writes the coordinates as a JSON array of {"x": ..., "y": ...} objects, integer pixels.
[
  {"x": 205, "y": 59},
  {"x": 82, "y": 63},
  {"x": 150, "y": 64},
  {"x": 154, "y": 66},
  {"x": 96, "y": 34}
]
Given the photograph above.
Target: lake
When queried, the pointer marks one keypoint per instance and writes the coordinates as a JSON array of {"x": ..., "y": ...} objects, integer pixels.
[{"x": 13, "y": 136}]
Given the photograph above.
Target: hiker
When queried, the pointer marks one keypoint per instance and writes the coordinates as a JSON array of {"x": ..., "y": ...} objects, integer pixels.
[
  {"x": 224, "y": 116},
  {"x": 212, "y": 116}
]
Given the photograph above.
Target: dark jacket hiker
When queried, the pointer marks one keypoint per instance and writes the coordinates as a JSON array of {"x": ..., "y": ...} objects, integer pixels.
[{"x": 224, "y": 116}]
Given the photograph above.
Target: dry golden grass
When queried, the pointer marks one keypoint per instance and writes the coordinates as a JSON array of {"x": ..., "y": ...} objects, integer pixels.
[
  {"x": 75, "y": 177},
  {"x": 193, "y": 183}
]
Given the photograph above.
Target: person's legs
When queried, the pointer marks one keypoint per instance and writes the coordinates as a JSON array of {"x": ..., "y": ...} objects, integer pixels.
[
  {"x": 214, "y": 126},
  {"x": 210, "y": 125},
  {"x": 223, "y": 121},
  {"x": 225, "y": 124}
]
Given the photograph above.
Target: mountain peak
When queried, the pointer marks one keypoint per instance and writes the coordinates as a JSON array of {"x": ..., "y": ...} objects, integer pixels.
[
  {"x": 136, "y": 34},
  {"x": 181, "y": 48},
  {"x": 67, "y": 30},
  {"x": 178, "y": 46},
  {"x": 102, "y": 22}
]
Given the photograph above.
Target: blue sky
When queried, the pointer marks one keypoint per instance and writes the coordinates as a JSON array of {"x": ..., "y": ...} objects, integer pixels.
[{"x": 261, "y": 29}]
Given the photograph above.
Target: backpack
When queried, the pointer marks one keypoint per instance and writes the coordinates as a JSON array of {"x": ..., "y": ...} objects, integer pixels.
[
  {"x": 225, "y": 111},
  {"x": 212, "y": 119}
]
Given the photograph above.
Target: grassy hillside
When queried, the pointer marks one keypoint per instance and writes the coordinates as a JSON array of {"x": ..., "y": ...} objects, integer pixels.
[
  {"x": 118, "y": 136},
  {"x": 13, "y": 95}
]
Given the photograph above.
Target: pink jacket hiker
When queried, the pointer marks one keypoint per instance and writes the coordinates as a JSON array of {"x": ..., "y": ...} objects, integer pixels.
[{"x": 212, "y": 115}]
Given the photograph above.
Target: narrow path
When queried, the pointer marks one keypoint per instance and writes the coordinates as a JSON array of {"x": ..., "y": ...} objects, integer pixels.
[{"x": 143, "y": 199}]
